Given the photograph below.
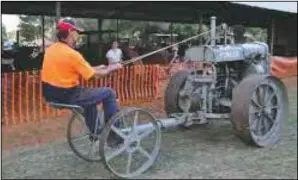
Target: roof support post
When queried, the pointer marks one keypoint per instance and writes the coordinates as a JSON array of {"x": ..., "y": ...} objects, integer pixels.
[
  {"x": 271, "y": 35},
  {"x": 42, "y": 30},
  {"x": 99, "y": 26},
  {"x": 58, "y": 10},
  {"x": 200, "y": 28},
  {"x": 117, "y": 29},
  {"x": 171, "y": 31}
]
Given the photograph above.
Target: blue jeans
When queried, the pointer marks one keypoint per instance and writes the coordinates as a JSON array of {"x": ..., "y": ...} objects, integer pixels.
[{"x": 88, "y": 98}]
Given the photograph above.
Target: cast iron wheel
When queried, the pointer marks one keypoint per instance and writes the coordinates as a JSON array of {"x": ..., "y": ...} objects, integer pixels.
[
  {"x": 259, "y": 109},
  {"x": 137, "y": 129},
  {"x": 171, "y": 96}
]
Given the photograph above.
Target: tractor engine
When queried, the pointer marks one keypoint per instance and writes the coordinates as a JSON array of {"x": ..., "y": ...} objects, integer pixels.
[{"x": 210, "y": 89}]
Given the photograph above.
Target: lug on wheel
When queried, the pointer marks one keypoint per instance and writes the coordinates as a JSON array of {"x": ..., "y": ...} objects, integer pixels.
[
  {"x": 259, "y": 108},
  {"x": 80, "y": 141},
  {"x": 130, "y": 142}
]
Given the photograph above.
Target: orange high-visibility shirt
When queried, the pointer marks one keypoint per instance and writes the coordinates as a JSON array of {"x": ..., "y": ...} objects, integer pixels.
[{"x": 63, "y": 66}]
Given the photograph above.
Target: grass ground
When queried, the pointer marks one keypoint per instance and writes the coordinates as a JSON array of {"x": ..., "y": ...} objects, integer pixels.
[{"x": 209, "y": 151}]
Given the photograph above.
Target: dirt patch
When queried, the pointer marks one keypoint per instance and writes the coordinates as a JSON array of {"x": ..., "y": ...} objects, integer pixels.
[{"x": 33, "y": 134}]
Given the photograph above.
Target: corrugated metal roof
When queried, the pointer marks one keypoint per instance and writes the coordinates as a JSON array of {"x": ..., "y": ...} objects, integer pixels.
[{"x": 290, "y": 7}]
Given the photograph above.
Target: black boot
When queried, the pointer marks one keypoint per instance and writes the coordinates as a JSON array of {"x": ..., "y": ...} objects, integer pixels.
[{"x": 114, "y": 139}]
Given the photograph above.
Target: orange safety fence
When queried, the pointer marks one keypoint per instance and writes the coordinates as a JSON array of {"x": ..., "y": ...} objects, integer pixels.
[
  {"x": 22, "y": 99},
  {"x": 283, "y": 66}
]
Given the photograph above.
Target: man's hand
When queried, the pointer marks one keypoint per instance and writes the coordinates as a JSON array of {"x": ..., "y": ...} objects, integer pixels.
[
  {"x": 114, "y": 67},
  {"x": 103, "y": 70},
  {"x": 101, "y": 66}
]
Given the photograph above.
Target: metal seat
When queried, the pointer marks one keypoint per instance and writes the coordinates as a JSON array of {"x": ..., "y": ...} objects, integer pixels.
[{"x": 67, "y": 106}]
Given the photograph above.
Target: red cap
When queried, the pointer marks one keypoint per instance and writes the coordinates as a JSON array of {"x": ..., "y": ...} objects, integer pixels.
[{"x": 68, "y": 24}]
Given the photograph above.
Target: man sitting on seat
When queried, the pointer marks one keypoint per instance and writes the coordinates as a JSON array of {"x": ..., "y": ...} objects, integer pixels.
[{"x": 61, "y": 72}]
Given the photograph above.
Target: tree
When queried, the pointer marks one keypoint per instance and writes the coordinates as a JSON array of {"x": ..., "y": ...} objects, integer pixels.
[
  {"x": 185, "y": 30},
  {"x": 4, "y": 33},
  {"x": 50, "y": 27},
  {"x": 256, "y": 33},
  {"x": 29, "y": 28}
]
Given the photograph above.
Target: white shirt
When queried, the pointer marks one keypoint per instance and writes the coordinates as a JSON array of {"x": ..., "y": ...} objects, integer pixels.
[{"x": 114, "y": 55}]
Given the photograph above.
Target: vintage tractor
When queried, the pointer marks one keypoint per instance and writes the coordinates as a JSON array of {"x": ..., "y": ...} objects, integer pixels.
[{"x": 234, "y": 84}]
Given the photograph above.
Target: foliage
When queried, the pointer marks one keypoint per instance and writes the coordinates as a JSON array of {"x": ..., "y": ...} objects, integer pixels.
[
  {"x": 3, "y": 33},
  {"x": 31, "y": 27},
  {"x": 184, "y": 30},
  {"x": 258, "y": 34}
]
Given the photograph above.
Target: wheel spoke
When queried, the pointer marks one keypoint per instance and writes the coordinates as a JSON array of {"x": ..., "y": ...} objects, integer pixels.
[
  {"x": 118, "y": 132},
  {"x": 273, "y": 107},
  {"x": 124, "y": 122},
  {"x": 254, "y": 100},
  {"x": 259, "y": 126},
  {"x": 259, "y": 95},
  {"x": 75, "y": 139},
  {"x": 265, "y": 93},
  {"x": 254, "y": 110},
  {"x": 269, "y": 117},
  {"x": 90, "y": 150},
  {"x": 269, "y": 98},
  {"x": 129, "y": 163},
  {"x": 135, "y": 122},
  {"x": 145, "y": 134},
  {"x": 143, "y": 151},
  {"x": 116, "y": 153},
  {"x": 266, "y": 124},
  {"x": 270, "y": 121},
  {"x": 255, "y": 122}
]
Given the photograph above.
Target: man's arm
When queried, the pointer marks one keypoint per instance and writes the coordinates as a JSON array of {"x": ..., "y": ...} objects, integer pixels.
[
  {"x": 103, "y": 70},
  {"x": 85, "y": 70},
  {"x": 100, "y": 71}
]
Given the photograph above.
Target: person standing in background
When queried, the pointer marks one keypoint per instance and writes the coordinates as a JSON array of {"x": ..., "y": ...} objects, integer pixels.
[{"x": 114, "y": 55}]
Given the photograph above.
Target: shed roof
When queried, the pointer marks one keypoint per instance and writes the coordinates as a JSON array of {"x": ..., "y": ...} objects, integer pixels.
[
  {"x": 290, "y": 7},
  {"x": 185, "y": 11}
]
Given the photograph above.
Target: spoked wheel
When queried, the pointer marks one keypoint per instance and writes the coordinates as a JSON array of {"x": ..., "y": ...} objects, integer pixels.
[
  {"x": 138, "y": 146},
  {"x": 259, "y": 108},
  {"x": 174, "y": 101},
  {"x": 81, "y": 141}
]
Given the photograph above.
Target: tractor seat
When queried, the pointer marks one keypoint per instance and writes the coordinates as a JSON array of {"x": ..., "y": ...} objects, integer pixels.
[{"x": 67, "y": 106}]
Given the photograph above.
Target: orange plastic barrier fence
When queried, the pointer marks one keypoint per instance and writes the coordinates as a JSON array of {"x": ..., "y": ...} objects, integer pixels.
[
  {"x": 22, "y": 99},
  {"x": 283, "y": 66}
]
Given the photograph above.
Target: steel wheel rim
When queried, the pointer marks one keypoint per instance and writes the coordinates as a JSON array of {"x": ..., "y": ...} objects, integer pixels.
[{"x": 145, "y": 166}]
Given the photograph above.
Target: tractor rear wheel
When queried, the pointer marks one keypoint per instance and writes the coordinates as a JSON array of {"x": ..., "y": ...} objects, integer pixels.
[
  {"x": 171, "y": 96},
  {"x": 259, "y": 109}
]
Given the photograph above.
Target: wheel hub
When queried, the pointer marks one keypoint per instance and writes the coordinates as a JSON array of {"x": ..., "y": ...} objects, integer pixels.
[{"x": 132, "y": 144}]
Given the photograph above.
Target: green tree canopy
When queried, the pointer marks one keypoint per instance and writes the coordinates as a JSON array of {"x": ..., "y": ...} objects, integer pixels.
[{"x": 3, "y": 33}]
